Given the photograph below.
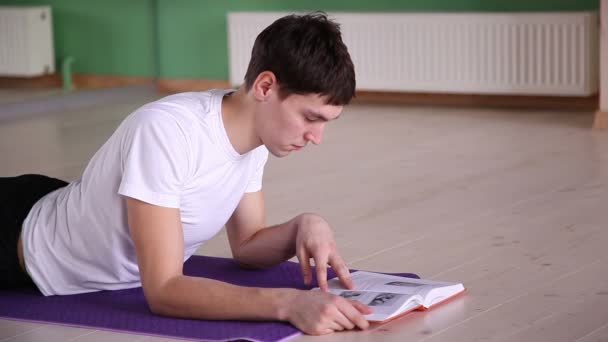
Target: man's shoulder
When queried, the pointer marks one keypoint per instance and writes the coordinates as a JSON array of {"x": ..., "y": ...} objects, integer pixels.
[
  {"x": 186, "y": 114},
  {"x": 187, "y": 101},
  {"x": 180, "y": 107},
  {"x": 194, "y": 104},
  {"x": 193, "y": 97}
]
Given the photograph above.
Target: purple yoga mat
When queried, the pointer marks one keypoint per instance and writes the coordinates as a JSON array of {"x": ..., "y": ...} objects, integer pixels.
[{"x": 126, "y": 310}]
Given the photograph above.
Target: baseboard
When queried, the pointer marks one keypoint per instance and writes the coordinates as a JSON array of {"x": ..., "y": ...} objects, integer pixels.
[
  {"x": 589, "y": 103},
  {"x": 80, "y": 81},
  {"x": 178, "y": 85},
  {"x": 47, "y": 81},
  {"x": 89, "y": 81},
  {"x": 175, "y": 85},
  {"x": 601, "y": 120}
]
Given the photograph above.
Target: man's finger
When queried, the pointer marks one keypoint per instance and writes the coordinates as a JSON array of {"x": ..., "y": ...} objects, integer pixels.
[
  {"x": 364, "y": 309},
  {"x": 335, "y": 326},
  {"x": 353, "y": 313},
  {"x": 321, "y": 265},
  {"x": 343, "y": 321},
  {"x": 342, "y": 271},
  {"x": 304, "y": 259}
]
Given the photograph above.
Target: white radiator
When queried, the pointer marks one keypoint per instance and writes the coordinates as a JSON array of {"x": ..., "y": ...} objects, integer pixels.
[
  {"x": 26, "y": 41},
  {"x": 485, "y": 53}
]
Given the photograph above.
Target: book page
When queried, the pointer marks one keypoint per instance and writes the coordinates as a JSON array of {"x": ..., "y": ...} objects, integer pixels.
[
  {"x": 385, "y": 304},
  {"x": 435, "y": 295},
  {"x": 369, "y": 281}
]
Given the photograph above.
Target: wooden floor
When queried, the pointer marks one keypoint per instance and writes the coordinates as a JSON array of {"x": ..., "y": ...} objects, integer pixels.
[{"x": 513, "y": 203}]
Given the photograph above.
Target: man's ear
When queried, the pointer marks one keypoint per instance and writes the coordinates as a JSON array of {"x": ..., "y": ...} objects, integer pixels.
[{"x": 264, "y": 85}]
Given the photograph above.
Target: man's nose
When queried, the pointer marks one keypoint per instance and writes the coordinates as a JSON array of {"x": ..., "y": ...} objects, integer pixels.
[{"x": 315, "y": 135}]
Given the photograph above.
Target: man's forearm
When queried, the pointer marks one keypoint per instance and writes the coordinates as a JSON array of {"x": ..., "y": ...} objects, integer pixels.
[
  {"x": 201, "y": 298},
  {"x": 269, "y": 246}
]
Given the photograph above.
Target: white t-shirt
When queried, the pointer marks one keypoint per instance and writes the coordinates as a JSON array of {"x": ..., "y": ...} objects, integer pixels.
[{"x": 174, "y": 153}]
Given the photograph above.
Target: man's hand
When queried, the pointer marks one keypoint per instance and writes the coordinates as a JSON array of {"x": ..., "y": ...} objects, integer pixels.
[
  {"x": 320, "y": 313},
  {"x": 314, "y": 239}
]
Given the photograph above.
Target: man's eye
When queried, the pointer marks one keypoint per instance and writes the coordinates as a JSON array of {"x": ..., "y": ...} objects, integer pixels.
[{"x": 311, "y": 119}]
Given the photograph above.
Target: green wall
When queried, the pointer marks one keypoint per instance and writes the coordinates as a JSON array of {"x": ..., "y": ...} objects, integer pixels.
[
  {"x": 193, "y": 38},
  {"x": 105, "y": 37},
  {"x": 188, "y": 38}
]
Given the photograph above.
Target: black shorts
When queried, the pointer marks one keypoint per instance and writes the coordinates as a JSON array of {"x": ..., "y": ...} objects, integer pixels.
[{"x": 17, "y": 197}]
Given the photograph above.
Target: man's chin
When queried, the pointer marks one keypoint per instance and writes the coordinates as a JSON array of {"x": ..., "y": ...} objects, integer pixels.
[{"x": 279, "y": 153}]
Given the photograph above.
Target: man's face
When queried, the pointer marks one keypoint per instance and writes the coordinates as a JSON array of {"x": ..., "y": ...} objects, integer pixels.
[{"x": 288, "y": 125}]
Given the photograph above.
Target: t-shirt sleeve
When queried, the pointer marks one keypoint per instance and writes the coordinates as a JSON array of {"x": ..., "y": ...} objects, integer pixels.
[
  {"x": 154, "y": 159},
  {"x": 255, "y": 182}
]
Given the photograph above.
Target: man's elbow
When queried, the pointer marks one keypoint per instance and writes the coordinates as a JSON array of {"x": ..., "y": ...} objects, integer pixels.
[
  {"x": 158, "y": 301},
  {"x": 157, "y": 305}
]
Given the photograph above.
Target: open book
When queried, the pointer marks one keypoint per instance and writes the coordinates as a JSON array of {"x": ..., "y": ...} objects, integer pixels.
[{"x": 392, "y": 296}]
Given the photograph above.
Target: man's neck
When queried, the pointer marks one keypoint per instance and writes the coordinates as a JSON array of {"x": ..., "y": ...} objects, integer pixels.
[{"x": 239, "y": 121}]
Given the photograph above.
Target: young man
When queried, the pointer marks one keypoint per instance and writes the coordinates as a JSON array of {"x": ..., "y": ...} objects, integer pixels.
[{"x": 175, "y": 172}]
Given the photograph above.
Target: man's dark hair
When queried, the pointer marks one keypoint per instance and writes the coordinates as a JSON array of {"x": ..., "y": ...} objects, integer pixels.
[{"x": 307, "y": 55}]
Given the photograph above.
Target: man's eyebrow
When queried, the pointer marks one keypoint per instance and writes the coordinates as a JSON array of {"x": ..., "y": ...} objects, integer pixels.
[{"x": 320, "y": 116}]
